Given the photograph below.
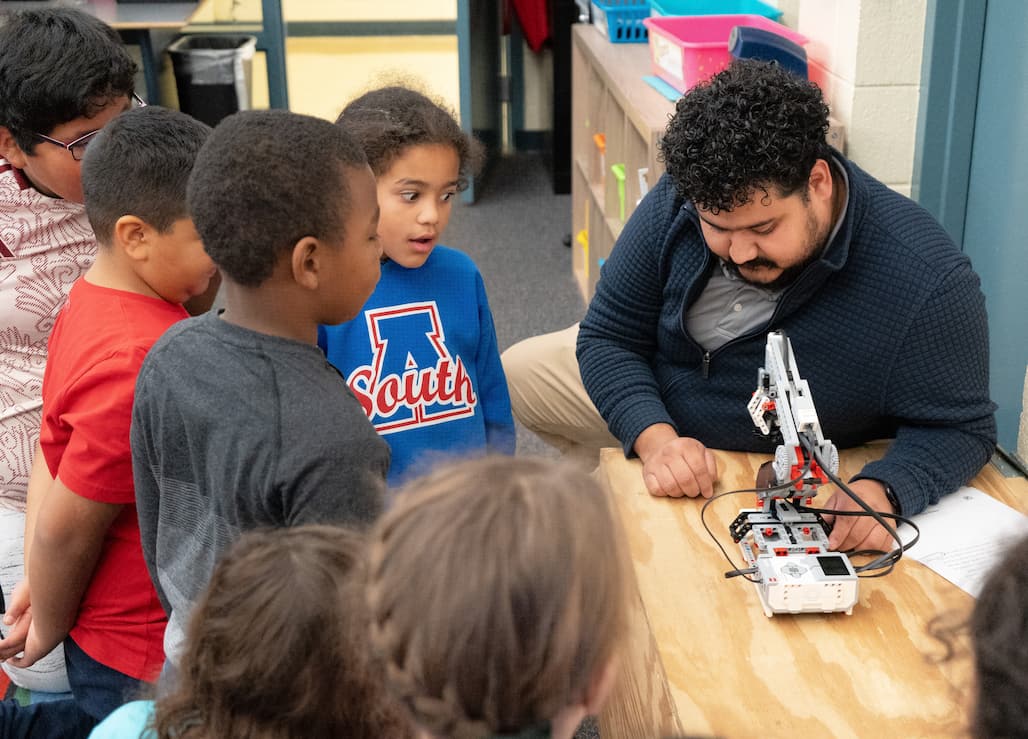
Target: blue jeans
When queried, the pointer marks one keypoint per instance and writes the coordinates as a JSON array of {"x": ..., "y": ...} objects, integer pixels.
[{"x": 98, "y": 690}]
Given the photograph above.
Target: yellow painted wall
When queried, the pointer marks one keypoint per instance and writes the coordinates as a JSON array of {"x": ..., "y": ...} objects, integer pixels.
[{"x": 326, "y": 73}]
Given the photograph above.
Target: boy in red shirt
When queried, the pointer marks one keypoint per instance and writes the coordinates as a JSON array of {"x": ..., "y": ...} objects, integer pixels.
[{"x": 88, "y": 583}]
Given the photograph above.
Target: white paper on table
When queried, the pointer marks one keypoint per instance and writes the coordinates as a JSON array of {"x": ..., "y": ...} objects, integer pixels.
[{"x": 964, "y": 535}]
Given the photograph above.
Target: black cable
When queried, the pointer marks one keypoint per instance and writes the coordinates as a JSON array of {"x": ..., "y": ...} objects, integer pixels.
[
  {"x": 885, "y": 559},
  {"x": 736, "y": 571}
]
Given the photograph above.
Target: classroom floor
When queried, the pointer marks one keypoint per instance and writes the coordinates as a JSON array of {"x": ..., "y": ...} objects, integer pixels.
[{"x": 515, "y": 235}]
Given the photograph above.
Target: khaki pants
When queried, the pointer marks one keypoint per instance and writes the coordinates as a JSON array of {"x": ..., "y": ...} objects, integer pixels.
[{"x": 548, "y": 398}]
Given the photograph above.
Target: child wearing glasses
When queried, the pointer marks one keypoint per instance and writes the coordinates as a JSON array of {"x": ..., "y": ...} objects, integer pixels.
[
  {"x": 87, "y": 582},
  {"x": 315, "y": 678},
  {"x": 63, "y": 76},
  {"x": 422, "y": 356},
  {"x": 498, "y": 591},
  {"x": 238, "y": 421}
]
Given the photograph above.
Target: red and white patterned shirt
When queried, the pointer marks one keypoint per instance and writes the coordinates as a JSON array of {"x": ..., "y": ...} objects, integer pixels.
[{"x": 45, "y": 245}]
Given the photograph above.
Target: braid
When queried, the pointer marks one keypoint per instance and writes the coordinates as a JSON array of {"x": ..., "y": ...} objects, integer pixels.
[
  {"x": 441, "y": 716},
  {"x": 488, "y": 604}
]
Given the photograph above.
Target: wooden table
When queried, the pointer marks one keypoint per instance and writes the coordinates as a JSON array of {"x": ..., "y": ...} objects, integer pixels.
[{"x": 704, "y": 660}]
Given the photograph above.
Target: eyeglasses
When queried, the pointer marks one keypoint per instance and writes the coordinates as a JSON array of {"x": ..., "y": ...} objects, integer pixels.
[{"x": 77, "y": 148}]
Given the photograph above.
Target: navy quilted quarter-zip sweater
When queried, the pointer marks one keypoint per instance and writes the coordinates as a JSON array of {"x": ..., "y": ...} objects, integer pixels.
[{"x": 888, "y": 327}]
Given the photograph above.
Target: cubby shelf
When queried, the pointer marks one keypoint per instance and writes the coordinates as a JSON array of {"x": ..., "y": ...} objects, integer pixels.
[{"x": 609, "y": 97}]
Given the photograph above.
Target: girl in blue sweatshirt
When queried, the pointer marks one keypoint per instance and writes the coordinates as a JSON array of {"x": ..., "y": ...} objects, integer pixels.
[{"x": 422, "y": 356}]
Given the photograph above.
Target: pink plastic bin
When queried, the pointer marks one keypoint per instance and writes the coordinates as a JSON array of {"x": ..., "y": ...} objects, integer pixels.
[{"x": 688, "y": 49}]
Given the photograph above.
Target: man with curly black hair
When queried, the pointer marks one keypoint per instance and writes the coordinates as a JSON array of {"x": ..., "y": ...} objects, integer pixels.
[{"x": 759, "y": 225}]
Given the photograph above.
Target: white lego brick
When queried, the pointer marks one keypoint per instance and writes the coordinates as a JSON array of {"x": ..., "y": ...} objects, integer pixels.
[
  {"x": 881, "y": 131},
  {"x": 890, "y": 42}
]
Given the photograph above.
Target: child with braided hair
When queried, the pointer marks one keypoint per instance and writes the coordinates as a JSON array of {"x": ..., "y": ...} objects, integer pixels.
[
  {"x": 498, "y": 594},
  {"x": 276, "y": 649}
]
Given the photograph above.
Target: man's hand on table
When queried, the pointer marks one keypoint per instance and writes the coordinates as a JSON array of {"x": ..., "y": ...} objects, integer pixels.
[
  {"x": 674, "y": 465},
  {"x": 859, "y": 532}
]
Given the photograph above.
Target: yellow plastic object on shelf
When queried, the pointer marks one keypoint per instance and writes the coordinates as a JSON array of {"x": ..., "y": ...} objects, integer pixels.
[{"x": 583, "y": 239}]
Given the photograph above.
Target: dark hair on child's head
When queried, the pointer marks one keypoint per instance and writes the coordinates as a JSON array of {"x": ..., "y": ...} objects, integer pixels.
[
  {"x": 754, "y": 126},
  {"x": 266, "y": 179},
  {"x": 277, "y": 645},
  {"x": 56, "y": 65},
  {"x": 388, "y": 120},
  {"x": 498, "y": 591},
  {"x": 999, "y": 637},
  {"x": 139, "y": 165}
]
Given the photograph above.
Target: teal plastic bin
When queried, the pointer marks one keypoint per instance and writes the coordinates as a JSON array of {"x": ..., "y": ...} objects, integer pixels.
[
  {"x": 621, "y": 21},
  {"x": 714, "y": 7}
]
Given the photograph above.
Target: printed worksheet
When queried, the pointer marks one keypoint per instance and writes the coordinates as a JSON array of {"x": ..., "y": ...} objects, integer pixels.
[{"x": 964, "y": 535}]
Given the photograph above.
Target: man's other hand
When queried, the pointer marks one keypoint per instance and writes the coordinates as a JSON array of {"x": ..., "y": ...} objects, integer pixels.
[
  {"x": 674, "y": 465},
  {"x": 859, "y": 532}
]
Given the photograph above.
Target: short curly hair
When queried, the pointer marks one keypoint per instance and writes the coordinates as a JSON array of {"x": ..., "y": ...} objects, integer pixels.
[
  {"x": 388, "y": 120},
  {"x": 754, "y": 126},
  {"x": 266, "y": 179}
]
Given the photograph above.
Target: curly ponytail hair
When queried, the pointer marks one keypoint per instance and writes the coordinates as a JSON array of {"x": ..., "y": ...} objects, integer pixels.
[
  {"x": 388, "y": 120},
  {"x": 753, "y": 126},
  {"x": 498, "y": 590}
]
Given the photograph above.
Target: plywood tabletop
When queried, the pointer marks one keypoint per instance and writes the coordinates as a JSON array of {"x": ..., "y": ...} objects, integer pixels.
[{"x": 703, "y": 658}]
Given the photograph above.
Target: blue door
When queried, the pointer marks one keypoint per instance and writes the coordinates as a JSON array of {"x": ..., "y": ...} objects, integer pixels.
[{"x": 996, "y": 219}]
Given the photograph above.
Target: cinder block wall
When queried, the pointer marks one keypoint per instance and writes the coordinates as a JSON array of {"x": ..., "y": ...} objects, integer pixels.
[{"x": 867, "y": 55}]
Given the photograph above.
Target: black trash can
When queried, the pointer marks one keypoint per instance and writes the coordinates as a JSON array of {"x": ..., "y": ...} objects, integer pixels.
[{"x": 213, "y": 74}]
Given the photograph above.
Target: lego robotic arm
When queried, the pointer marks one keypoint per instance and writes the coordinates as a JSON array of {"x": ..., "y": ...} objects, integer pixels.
[
  {"x": 786, "y": 548},
  {"x": 782, "y": 404}
]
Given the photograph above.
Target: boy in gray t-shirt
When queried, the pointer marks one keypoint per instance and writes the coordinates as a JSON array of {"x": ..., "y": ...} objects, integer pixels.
[{"x": 239, "y": 421}]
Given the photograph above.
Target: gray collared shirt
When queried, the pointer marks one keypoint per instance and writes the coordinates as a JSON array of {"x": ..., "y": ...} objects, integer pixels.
[{"x": 730, "y": 307}]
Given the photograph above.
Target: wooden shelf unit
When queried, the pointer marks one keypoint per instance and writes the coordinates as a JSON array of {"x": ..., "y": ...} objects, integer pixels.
[{"x": 609, "y": 97}]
